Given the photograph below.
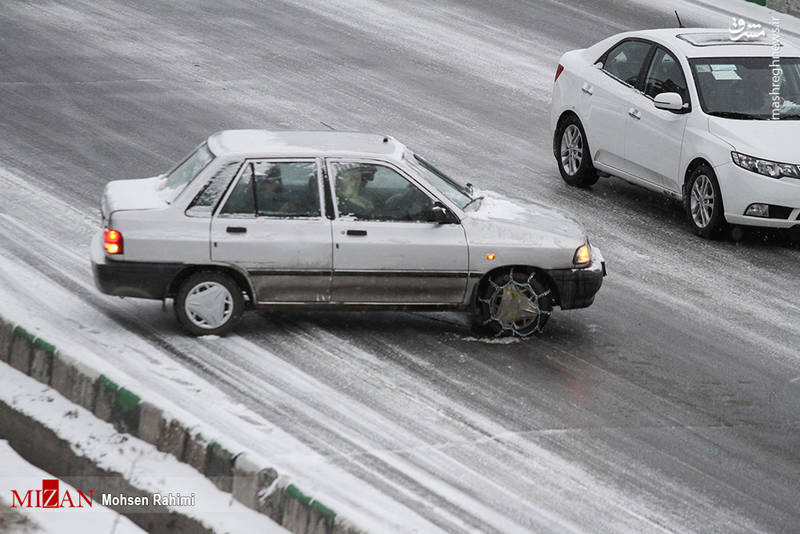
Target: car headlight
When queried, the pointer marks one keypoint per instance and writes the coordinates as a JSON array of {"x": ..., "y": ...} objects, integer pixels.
[
  {"x": 583, "y": 256},
  {"x": 773, "y": 169}
]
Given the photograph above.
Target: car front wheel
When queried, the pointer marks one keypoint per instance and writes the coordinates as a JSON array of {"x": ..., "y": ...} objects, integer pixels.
[
  {"x": 514, "y": 303},
  {"x": 574, "y": 160},
  {"x": 209, "y": 303},
  {"x": 703, "y": 202}
]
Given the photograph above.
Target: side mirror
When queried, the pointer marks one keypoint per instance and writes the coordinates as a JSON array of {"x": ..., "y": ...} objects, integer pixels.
[
  {"x": 440, "y": 214},
  {"x": 669, "y": 101}
]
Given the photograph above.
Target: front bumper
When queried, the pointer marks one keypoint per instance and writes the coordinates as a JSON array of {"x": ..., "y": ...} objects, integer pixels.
[
  {"x": 741, "y": 187},
  {"x": 131, "y": 279},
  {"x": 577, "y": 287}
]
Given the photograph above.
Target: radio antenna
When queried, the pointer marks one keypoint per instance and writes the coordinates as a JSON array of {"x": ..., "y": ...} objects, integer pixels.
[
  {"x": 328, "y": 126},
  {"x": 680, "y": 24}
]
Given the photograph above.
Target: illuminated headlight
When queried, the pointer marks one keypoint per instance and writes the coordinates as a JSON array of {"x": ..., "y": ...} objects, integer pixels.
[
  {"x": 583, "y": 256},
  {"x": 773, "y": 169}
]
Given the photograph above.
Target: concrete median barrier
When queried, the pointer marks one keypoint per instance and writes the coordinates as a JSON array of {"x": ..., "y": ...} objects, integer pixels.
[
  {"x": 6, "y": 331},
  {"x": 21, "y": 349},
  {"x": 42, "y": 355},
  {"x": 259, "y": 487}
]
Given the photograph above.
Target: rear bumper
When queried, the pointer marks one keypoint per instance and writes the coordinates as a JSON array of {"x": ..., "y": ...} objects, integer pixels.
[
  {"x": 131, "y": 279},
  {"x": 577, "y": 287}
]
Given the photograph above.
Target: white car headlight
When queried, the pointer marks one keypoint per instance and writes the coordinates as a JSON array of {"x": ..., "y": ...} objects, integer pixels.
[{"x": 773, "y": 169}]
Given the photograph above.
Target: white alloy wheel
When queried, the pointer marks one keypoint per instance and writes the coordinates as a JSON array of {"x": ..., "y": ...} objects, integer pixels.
[
  {"x": 701, "y": 201},
  {"x": 571, "y": 149}
]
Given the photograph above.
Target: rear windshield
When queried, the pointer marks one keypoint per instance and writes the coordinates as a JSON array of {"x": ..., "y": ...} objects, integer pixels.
[{"x": 178, "y": 178}]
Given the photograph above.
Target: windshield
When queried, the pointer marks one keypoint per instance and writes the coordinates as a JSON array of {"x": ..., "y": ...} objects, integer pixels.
[
  {"x": 756, "y": 88},
  {"x": 457, "y": 193},
  {"x": 173, "y": 183}
]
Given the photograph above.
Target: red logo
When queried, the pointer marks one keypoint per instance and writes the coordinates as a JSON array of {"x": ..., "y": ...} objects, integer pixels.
[{"x": 50, "y": 497}]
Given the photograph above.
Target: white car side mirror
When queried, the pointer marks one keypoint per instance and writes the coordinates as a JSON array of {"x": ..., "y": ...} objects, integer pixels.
[{"x": 669, "y": 101}]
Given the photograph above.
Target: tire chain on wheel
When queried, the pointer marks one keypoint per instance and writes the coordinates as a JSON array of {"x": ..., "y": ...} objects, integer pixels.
[{"x": 537, "y": 296}]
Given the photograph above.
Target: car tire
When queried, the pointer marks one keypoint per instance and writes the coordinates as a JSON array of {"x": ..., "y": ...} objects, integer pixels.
[
  {"x": 500, "y": 304},
  {"x": 209, "y": 303},
  {"x": 702, "y": 201},
  {"x": 572, "y": 153}
]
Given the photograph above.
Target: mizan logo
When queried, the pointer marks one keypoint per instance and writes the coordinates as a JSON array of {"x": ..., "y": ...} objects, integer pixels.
[{"x": 50, "y": 497}]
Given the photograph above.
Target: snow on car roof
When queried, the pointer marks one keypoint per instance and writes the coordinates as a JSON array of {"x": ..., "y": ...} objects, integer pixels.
[
  {"x": 262, "y": 143},
  {"x": 713, "y": 42}
]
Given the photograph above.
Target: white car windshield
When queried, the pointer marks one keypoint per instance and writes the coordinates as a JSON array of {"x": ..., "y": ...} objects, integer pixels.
[
  {"x": 457, "y": 193},
  {"x": 178, "y": 178},
  {"x": 755, "y": 88}
]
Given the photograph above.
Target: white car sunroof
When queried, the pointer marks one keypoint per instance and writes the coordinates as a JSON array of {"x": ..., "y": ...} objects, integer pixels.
[{"x": 717, "y": 39}]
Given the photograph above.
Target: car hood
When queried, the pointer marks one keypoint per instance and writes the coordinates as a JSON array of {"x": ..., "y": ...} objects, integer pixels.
[
  {"x": 139, "y": 194},
  {"x": 500, "y": 219},
  {"x": 767, "y": 139}
]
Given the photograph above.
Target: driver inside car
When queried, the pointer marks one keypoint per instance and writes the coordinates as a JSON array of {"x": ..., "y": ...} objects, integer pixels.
[{"x": 350, "y": 185}]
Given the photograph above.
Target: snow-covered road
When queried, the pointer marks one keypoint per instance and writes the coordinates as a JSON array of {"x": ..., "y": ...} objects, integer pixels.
[{"x": 671, "y": 404}]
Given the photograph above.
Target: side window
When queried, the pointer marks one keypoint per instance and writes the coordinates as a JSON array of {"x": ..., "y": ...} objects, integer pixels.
[
  {"x": 665, "y": 76},
  {"x": 374, "y": 192},
  {"x": 286, "y": 189},
  {"x": 625, "y": 61},
  {"x": 271, "y": 189},
  {"x": 205, "y": 201},
  {"x": 242, "y": 200}
]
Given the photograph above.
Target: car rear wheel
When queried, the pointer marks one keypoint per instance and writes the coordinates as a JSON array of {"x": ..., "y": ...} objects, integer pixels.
[
  {"x": 573, "y": 156},
  {"x": 514, "y": 303},
  {"x": 209, "y": 303},
  {"x": 703, "y": 202}
]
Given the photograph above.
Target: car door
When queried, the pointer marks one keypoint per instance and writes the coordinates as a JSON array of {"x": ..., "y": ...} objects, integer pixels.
[
  {"x": 606, "y": 99},
  {"x": 655, "y": 136},
  {"x": 386, "y": 249},
  {"x": 271, "y": 225}
]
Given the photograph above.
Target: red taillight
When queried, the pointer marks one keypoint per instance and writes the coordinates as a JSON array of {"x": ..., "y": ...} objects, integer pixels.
[
  {"x": 559, "y": 70},
  {"x": 113, "y": 242}
]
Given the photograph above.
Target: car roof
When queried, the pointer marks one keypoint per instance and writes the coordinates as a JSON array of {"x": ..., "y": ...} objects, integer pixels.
[
  {"x": 266, "y": 143},
  {"x": 713, "y": 42}
]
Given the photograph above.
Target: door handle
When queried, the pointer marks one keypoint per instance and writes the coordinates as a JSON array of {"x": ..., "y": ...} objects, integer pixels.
[
  {"x": 357, "y": 232},
  {"x": 236, "y": 230},
  {"x": 586, "y": 88},
  {"x": 635, "y": 113}
]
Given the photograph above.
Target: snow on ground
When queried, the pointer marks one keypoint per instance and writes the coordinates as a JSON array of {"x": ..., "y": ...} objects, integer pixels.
[
  {"x": 576, "y": 425},
  {"x": 142, "y": 464},
  {"x": 17, "y": 474},
  {"x": 67, "y": 315},
  {"x": 72, "y": 324}
]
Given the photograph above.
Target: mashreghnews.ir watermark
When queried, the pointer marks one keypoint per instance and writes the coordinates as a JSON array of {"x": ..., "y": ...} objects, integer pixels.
[{"x": 777, "y": 71}]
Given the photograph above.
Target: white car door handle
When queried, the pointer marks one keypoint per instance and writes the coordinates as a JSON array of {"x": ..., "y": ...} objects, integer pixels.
[
  {"x": 588, "y": 89},
  {"x": 635, "y": 113}
]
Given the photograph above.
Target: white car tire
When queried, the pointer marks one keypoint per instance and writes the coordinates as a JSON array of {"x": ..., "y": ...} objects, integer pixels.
[
  {"x": 703, "y": 202},
  {"x": 572, "y": 153}
]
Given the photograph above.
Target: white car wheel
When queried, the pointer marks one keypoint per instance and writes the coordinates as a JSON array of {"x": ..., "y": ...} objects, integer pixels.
[
  {"x": 209, "y": 305},
  {"x": 703, "y": 202},
  {"x": 571, "y": 149},
  {"x": 209, "y": 302}
]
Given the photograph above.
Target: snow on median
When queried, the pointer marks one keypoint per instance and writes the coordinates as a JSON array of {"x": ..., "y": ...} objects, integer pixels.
[{"x": 160, "y": 476}]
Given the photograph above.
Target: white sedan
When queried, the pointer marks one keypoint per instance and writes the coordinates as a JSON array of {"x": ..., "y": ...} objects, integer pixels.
[
  {"x": 287, "y": 220},
  {"x": 688, "y": 112}
]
